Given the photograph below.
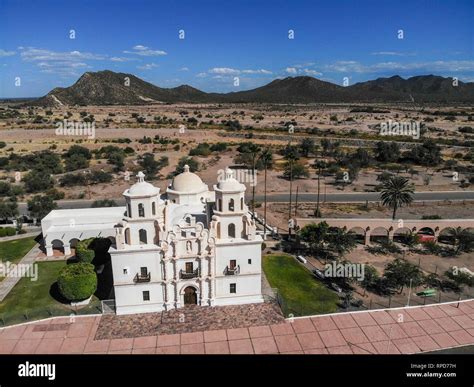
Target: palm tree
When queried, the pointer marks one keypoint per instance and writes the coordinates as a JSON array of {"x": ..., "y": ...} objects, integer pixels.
[
  {"x": 253, "y": 150},
  {"x": 396, "y": 192},
  {"x": 319, "y": 165},
  {"x": 266, "y": 157},
  {"x": 463, "y": 240}
]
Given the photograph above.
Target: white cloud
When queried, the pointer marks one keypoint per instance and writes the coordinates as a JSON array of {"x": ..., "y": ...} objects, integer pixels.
[
  {"x": 147, "y": 66},
  {"x": 4, "y": 53},
  {"x": 291, "y": 70},
  {"x": 260, "y": 71},
  {"x": 201, "y": 75},
  {"x": 121, "y": 59},
  {"x": 145, "y": 51},
  {"x": 433, "y": 66},
  {"x": 224, "y": 70},
  {"x": 184, "y": 69},
  {"x": 312, "y": 72},
  {"x": 393, "y": 53},
  {"x": 57, "y": 62}
]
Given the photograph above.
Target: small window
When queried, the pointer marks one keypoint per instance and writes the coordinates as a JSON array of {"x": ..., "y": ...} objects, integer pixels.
[
  {"x": 153, "y": 208},
  {"x": 125, "y": 271},
  {"x": 232, "y": 264},
  {"x": 233, "y": 288},
  {"x": 146, "y": 295},
  {"x": 250, "y": 261},
  {"x": 141, "y": 210},
  {"x": 143, "y": 271}
]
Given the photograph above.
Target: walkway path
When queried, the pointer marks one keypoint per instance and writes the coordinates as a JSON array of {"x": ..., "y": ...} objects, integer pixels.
[
  {"x": 404, "y": 330},
  {"x": 10, "y": 281},
  {"x": 20, "y": 236}
]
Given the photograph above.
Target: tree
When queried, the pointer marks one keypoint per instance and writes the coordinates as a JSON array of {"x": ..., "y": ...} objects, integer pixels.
[
  {"x": 38, "y": 181},
  {"x": 77, "y": 282},
  {"x": 266, "y": 157},
  {"x": 315, "y": 235},
  {"x": 149, "y": 164},
  {"x": 463, "y": 240},
  {"x": 340, "y": 241},
  {"x": 295, "y": 170},
  {"x": 83, "y": 251},
  {"x": 307, "y": 146},
  {"x": 76, "y": 161},
  {"x": 399, "y": 272},
  {"x": 319, "y": 165},
  {"x": 117, "y": 160},
  {"x": 104, "y": 203},
  {"x": 396, "y": 192},
  {"x": 371, "y": 277},
  {"x": 40, "y": 206},
  {"x": 253, "y": 150},
  {"x": 427, "y": 153},
  {"x": 387, "y": 151},
  {"x": 8, "y": 209}
]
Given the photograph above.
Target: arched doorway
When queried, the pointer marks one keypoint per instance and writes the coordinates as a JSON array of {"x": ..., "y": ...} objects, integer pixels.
[{"x": 190, "y": 296}]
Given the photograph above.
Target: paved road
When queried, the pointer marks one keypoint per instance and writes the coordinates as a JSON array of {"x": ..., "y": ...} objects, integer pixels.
[{"x": 354, "y": 197}]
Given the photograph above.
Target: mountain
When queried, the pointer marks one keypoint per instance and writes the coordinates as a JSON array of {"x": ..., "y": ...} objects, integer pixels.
[{"x": 110, "y": 88}]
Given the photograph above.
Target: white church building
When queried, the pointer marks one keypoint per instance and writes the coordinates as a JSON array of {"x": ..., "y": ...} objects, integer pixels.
[{"x": 194, "y": 246}]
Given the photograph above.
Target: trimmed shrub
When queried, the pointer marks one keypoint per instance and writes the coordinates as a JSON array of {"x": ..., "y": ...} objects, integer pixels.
[
  {"x": 83, "y": 252},
  {"x": 7, "y": 231},
  {"x": 77, "y": 282}
]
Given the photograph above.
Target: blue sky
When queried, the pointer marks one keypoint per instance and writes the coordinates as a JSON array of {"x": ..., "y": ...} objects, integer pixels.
[{"x": 223, "y": 40}]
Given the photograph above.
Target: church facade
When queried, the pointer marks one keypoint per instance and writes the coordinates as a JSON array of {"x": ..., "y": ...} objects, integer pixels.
[{"x": 194, "y": 246}]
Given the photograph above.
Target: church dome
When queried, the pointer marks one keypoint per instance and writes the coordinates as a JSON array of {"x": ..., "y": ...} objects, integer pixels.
[
  {"x": 230, "y": 183},
  {"x": 187, "y": 182},
  {"x": 142, "y": 188}
]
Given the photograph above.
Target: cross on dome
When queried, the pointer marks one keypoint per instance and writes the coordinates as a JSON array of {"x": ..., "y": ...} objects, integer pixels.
[
  {"x": 186, "y": 168},
  {"x": 141, "y": 177}
]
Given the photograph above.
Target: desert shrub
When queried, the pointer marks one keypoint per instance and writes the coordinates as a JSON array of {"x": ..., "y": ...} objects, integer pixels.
[{"x": 77, "y": 281}]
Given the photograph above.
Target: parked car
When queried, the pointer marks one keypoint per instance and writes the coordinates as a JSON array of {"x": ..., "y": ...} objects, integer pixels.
[
  {"x": 301, "y": 259},
  {"x": 319, "y": 274},
  {"x": 335, "y": 287},
  {"x": 426, "y": 237}
]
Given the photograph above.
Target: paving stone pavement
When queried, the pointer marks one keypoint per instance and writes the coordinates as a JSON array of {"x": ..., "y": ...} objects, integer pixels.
[{"x": 395, "y": 331}]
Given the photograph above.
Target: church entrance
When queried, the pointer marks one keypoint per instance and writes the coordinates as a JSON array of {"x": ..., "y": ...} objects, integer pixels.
[{"x": 190, "y": 296}]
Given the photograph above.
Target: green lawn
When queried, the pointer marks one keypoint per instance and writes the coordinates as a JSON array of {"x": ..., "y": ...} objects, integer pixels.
[
  {"x": 16, "y": 249},
  {"x": 33, "y": 300},
  {"x": 302, "y": 294}
]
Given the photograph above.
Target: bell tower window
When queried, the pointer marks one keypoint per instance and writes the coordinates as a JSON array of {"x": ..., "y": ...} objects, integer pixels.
[
  {"x": 231, "y": 205},
  {"x": 231, "y": 230},
  {"x": 141, "y": 211}
]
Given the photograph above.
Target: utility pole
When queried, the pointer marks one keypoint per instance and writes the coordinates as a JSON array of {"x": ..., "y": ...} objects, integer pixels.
[
  {"x": 296, "y": 202},
  {"x": 289, "y": 208},
  {"x": 409, "y": 292}
]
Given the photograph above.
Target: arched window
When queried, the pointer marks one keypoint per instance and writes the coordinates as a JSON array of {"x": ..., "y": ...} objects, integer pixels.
[
  {"x": 219, "y": 230},
  {"x": 219, "y": 207},
  {"x": 153, "y": 208},
  {"x": 241, "y": 204},
  {"x": 231, "y": 205},
  {"x": 142, "y": 236},
  {"x": 141, "y": 211},
  {"x": 231, "y": 230},
  {"x": 129, "y": 210},
  {"x": 127, "y": 236}
]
